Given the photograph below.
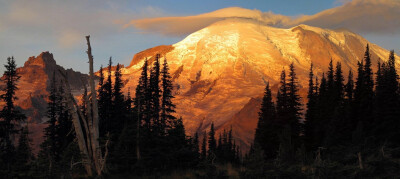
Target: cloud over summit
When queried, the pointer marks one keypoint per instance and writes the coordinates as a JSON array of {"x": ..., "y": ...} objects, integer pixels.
[{"x": 361, "y": 16}]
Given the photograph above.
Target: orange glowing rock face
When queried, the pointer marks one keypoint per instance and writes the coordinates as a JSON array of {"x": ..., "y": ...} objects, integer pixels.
[{"x": 219, "y": 72}]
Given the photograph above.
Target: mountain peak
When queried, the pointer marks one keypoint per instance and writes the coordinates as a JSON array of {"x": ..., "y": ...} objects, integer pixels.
[
  {"x": 44, "y": 59},
  {"x": 218, "y": 70}
]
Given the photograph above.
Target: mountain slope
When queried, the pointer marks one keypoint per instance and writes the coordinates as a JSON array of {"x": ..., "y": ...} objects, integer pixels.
[{"x": 218, "y": 70}]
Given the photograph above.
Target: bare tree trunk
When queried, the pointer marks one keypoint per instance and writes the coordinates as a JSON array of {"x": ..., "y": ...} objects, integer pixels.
[
  {"x": 89, "y": 146},
  {"x": 75, "y": 113},
  {"x": 85, "y": 123},
  {"x": 97, "y": 155}
]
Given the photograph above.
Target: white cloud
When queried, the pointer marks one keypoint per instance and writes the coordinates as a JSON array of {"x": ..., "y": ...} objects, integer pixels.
[{"x": 370, "y": 16}]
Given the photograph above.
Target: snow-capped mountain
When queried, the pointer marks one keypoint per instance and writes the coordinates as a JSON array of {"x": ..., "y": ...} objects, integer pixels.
[{"x": 220, "y": 71}]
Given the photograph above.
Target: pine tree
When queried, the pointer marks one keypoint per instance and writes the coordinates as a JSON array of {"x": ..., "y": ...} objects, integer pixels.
[
  {"x": 102, "y": 102},
  {"x": 282, "y": 100},
  {"x": 349, "y": 87},
  {"x": 107, "y": 99},
  {"x": 196, "y": 148},
  {"x": 9, "y": 115},
  {"x": 167, "y": 107},
  {"x": 387, "y": 102},
  {"x": 311, "y": 113},
  {"x": 364, "y": 94},
  {"x": 141, "y": 99},
  {"x": 203, "y": 155},
  {"x": 64, "y": 136},
  {"x": 52, "y": 114},
  {"x": 154, "y": 87},
  {"x": 294, "y": 104},
  {"x": 118, "y": 103},
  {"x": 266, "y": 132},
  {"x": 212, "y": 143},
  {"x": 339, "y": 86}
]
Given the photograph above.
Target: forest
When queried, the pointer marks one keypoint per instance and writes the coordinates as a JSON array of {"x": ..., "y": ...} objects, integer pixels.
[{"x": 347, "y": 129}]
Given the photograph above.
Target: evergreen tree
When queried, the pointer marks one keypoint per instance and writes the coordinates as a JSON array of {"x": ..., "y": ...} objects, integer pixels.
[
  {"x": 387, "y": 102},
  {"x": 118, "y": 103},
  {"x": 311, "y": 113},
  {"x": 9, "y": 116},
  {"x": 196, "y": 148},
  {"x": 364, "y": 95},
  {"x": 266, "y": 135},
  {"x": 102, "y": 102},
  {"x": 167, "y": 107},
  {"x": 142, "y": 100},
  {"x": 154, "y": 87},
  {"x": 212, "y": 143},
  {"x": 106, "y": 98},
  {"x": 294, "y": 104},
  {"x": 52, "y": 113},
  {"x": 203, "y": 155},
  {"x": 339, "y": 86},
  {"x": 64, "y": 128},
  {"x": 349, "y": 87}
]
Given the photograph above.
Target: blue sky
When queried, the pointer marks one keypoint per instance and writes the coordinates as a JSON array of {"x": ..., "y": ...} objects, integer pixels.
[{"x": 29, "y": 27}]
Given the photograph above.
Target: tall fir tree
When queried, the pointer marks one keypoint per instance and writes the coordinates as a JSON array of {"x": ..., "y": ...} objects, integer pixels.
[
  {"x": 154, "y": 87},
  {"x": 387, "y": 102},
  {"x": 294, "y": 104},
  {"x": 212, "y": 142},
  {"x": 167, "y": 107},
  {"x": 119, "y": 113},
  {"x": 266, "y": 135},
  {"x": 52, "y": 113},
  {"x": 9, "y": 115},
  {"x": 203, "y": 155},
  {"x": 311, "y": 113},
  {"x": 142, "y": 99}
]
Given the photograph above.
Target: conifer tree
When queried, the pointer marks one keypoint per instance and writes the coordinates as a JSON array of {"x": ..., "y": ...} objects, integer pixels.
[
  {"x": 294, "y": 104},
  {"x": 349, "y": 87},
  {"x": 106, "y": 99},
  {"x": 102, "y": 102},
  {"x": 266, "y": 135},
  {"x": 203, "y": 155},
  {"x": 282, "y": 100},
  {"x": 118, "y": 103},
  {"x": 339, "y": 86},
  {"x": 212, "y": 143},
  {"x": 154, "y": 87},
  {"x": 167, "y": 107},
  {"x": 141, "y": 99},
  {"x": 52, "y": 113},
  {"x": 387, "y": 102},
  {"x": 9, "y": 115},
  {"x": 196, "y": 148},
  {"x": 311, "y": 113}
]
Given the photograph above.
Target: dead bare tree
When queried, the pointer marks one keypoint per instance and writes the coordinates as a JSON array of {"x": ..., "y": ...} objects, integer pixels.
[{"x": 89, "y": 144}]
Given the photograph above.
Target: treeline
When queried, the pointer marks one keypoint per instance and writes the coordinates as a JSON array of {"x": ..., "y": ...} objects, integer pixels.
[
  {"x": 350, "y": 129},
  {"x": 138, "y": 136}
]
